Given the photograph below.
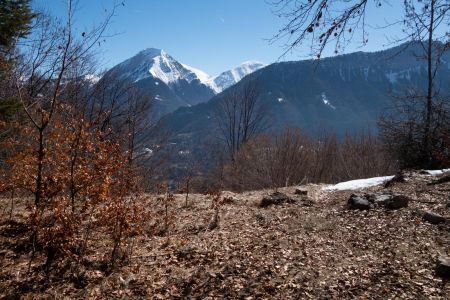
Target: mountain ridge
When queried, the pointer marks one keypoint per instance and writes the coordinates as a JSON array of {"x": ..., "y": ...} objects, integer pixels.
[
  {"x": 344, "y": 94},
  {"x": 173, "y": 84}
]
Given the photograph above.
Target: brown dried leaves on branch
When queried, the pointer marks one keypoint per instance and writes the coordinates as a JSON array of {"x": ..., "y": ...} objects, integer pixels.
[{"x": 87, "y": 181}]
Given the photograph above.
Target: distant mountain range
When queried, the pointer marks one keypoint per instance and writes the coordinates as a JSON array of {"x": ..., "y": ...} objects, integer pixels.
[
  {"x": 173, "y": 84},
  {"x": 342, "y": 94}
]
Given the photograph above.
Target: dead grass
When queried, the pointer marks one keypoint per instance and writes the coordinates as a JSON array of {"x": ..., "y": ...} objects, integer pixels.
[{"x": 321, "y": 251}]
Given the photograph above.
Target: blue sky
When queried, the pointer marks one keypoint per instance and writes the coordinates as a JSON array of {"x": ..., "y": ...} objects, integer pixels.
[{"x": 211, "y": 35}]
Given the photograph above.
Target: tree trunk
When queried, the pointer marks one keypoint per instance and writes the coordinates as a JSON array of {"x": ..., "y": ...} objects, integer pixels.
[
  {"x": 40, "y": 162},
  {"x": 429, "y": 98}
]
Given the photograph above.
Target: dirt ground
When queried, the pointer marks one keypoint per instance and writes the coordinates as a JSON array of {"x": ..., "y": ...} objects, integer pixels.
[{"x": 314, "y": 249}]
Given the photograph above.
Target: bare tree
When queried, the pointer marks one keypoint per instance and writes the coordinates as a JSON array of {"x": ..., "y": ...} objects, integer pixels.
[
  {"x": 422, "y": 25},
  {"x": 44, "y": 73},
  {"x": 322, "y": 22},
  {"x": 241, "y": 116},
  {"x": 414, "y": 129},
  {"x": 425, "y": 23},
  {"x": 293, "y": 158}
]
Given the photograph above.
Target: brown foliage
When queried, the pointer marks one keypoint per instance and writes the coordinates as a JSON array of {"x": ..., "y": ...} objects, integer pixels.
[
  {"x": 75, "y": 152},
  {"x": 100, "y": 183}
]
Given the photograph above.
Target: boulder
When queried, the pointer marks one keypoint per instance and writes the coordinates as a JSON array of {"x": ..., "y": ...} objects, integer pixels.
[
  {"x": 433, "y": 218},
  {"x": 358, "y": 202},
  {"x": 276, "y": 198},
  {"x": 398, "y": 178},
  {"x": 379, "y": 199},
  {"x": 397, "y": 202},
  {"x": 301, "y": 191},
  {"x": 443, "y": 267}
]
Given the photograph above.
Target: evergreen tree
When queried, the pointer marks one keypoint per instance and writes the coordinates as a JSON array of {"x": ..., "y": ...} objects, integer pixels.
[
  {"x": 15, "y": 21},
  {"x": 16, "y": 18}
]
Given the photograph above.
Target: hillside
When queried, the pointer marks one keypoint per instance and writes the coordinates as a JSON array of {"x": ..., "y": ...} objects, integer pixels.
[
  {"x": 343, "y": 94},
  {"x": 313, "y": 248}
]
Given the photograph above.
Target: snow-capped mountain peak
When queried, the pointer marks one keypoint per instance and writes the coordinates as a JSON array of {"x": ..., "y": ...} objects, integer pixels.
[
  {"x": 231, "y": 77},
  {"x": 156, "y": 63},
  {"x": 202, "y": 76}
]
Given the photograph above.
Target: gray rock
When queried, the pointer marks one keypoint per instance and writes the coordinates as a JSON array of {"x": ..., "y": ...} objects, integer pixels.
[
  {"x": 301, "y": 191},
  {"x": 398, "y": 178},
  {"x": 443, "y": 267},
  {"x": 397, "y": 202},
  {"x": 358, "y": 202},
  {"x": 433, "y": 218},
  {"x": 379, "y": 199},
  {"x": 276, "y": 198}
]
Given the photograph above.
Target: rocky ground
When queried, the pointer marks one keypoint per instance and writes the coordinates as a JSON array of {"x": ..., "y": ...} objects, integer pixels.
[{"x": 316, "y": 246}]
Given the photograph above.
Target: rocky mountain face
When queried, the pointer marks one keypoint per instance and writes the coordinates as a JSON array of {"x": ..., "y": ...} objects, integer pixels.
[{"x": 172, "y": 84}]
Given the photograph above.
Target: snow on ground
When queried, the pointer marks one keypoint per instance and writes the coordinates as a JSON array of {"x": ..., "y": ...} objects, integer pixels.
[
  {"x": 326, "y": 101},
  {"x": 438, "y": 172},
  {"x": 357, "y": 184},
  {"x": 368, "y": 182}
]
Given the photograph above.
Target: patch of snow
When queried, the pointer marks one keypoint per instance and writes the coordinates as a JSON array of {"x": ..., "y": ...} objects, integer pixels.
[
  {"x": 202, "y": 76},
  {"x": 437, "y": 172},
  {"x": 392, "y": 77},
  {"x": 358, "y": 184},
  {"x": 184, "y": 152},
  {"x": 326, "y": 101},
  {"x": 368, "y": 182},
  {"x": 231, "y": 77},
  {"x": 158, "y": 97},
  {"x": 92, "y": 78},
  {"x": 164, "y": 69},
  {"x": 156, "y": 83},
  {"x": 366, "y": 73},
  {"x": 280, "y": 100},
  {"x": 341, "y": 74}
]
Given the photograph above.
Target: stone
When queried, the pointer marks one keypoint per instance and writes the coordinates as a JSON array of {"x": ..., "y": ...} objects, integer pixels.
[
  {"x": 398, "y": 178},
  {"x": 358, "y": 202},
  {"x": 443, "y": 267},
  {"x": 433, "y": 218},
  {"x": 397, "y": 202},
  {"x": 301, "y": 191},
  {"x": 276, "y": 198},
  {"x": 379, "y": 199}
]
